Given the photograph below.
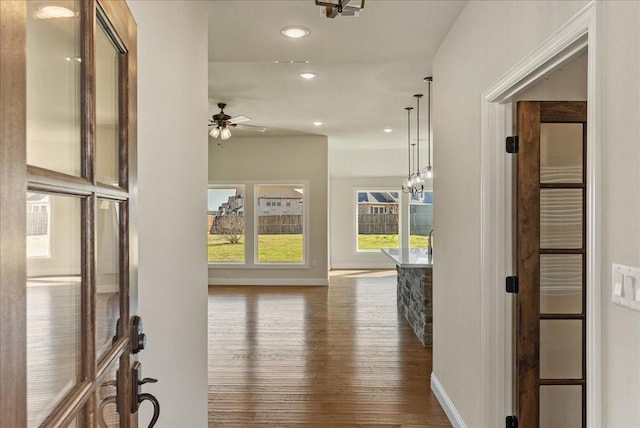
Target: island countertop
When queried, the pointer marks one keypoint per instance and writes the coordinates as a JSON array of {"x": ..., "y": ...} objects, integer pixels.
[{"x": 410, "y": 257}]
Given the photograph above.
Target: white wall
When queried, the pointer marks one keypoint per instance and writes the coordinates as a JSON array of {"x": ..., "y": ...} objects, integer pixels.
[
  {"x": 172, "y": 157},
  {"x": 620, "y": 46},
  {"x": 278, "y": 160},
  {"x": 476, "y": 52}
]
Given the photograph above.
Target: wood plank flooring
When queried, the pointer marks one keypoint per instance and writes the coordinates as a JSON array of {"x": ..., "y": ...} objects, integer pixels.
[{"x": 337, "y": 356}]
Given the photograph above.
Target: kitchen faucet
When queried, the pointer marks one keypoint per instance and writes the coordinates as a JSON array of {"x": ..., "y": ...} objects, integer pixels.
[{"x": 430, "y": 246}]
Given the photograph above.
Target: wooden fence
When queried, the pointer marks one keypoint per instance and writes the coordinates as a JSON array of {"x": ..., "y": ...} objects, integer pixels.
[
  {"x": 387, "y": 224},
  {"x": 267, "y": 225},
  {"x": 377, "y": 224},
  {"x": 279, "y": 224}
]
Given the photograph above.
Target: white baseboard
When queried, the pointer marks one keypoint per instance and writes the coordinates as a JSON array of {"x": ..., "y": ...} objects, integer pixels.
[
  {"x": 445, "y": 401},
  {"x": 270, "y": 281}
]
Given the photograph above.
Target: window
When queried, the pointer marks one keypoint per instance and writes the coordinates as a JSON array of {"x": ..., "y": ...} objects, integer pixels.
[
  {"x": 38, "y": 225},
  {"x": 420, "y": 219},
  {"x": 377, "y": 220},
  {"x": 280, "y": 230},
  {"x": 225, "y": 226}
]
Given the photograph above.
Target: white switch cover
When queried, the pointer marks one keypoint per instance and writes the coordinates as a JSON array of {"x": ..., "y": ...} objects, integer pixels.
[{"x": 625, "y": 282}]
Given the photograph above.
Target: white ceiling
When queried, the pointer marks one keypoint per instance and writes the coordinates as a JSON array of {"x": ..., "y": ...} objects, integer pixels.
[{"x": 368, "y": 67}]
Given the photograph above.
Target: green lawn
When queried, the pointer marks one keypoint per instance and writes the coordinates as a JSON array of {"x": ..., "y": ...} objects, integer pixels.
[
  {"x": 375, "y": 242},
  {"x": 288, "y": 248},
  {"x": 271, "y": 248}
]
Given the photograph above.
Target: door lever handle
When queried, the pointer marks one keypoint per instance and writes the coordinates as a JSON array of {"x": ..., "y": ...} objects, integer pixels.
[
  {"x": 138, "y": 397},
  {"x": 156, "y": 406}
]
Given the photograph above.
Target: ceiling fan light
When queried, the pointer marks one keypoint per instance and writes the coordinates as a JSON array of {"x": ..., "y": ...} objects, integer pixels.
[
  {"x": 215, "y": 132},
  {"x": 225, "y": 133}
]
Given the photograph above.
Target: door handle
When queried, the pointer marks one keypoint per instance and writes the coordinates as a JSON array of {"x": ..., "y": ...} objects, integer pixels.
[{"x": 137, "y": 396}]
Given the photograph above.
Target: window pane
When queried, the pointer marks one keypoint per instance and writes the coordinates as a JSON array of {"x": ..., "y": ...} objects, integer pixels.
[
  {"x": 106, "y": 399},
  {"x": 561, "y": 283},
  {"x": 561, "y": 152},
  {"x": 560, "y": 349},
  {"x": 53, "y": 310},
  {"x": 225, "y": 226},
  {"x": 561, "y": 218},
  {"x": 107, "y": 273},
  {"x": 38, "y": 225},
  {"x": 280, "y": 226},
  {"x": 560, "y": 406},
  {"x": 377, "y": 217},
  {"x": 420, "y": 220},
  {"x": 53, "y": 85},
  {"x": 107, "y": 139}
]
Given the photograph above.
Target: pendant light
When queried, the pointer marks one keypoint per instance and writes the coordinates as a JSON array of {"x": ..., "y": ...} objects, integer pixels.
[
  {"x": 418, "y": 181},
  {"x": 428, "y": 172},
  {"x": 407, "y": 185}
]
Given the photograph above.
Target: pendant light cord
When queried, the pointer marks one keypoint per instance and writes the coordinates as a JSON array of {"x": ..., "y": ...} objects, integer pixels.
[{"x": 408, "y": 109}]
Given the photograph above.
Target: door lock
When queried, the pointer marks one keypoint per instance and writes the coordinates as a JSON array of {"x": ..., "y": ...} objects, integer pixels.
[{"x": 138, "y": 338}]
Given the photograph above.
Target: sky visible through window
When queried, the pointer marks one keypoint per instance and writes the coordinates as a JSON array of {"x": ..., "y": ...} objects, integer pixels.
[{"x": 219, "y": 196}]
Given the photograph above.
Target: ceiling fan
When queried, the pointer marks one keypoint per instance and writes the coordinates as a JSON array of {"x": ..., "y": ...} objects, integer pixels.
[{"x": 222, "y": 123}]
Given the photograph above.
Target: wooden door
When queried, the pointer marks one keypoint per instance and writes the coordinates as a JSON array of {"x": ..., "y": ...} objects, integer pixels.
[
  {"x": 67, "y": 254},
  {"x": 551, "y": 256}
]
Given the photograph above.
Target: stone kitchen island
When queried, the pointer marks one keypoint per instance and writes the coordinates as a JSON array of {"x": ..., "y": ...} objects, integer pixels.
[{"x": 414, "y": 293}]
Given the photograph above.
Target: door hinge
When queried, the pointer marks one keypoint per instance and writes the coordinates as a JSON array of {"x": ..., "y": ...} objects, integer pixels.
[
  {"x": 512, "y": 422},
  {"x": 512, "y": 284},
  {"x": 512, "y": 144}
]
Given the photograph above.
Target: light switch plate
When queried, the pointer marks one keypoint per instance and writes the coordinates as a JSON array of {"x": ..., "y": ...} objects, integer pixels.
[{"x": 625, "y": 284}]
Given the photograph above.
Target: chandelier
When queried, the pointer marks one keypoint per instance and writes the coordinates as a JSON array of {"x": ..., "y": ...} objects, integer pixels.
[{"x": 416, "y": 178}]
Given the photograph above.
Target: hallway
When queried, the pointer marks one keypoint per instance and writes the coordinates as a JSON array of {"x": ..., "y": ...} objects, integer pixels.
[{"x": 337, "y": 356}]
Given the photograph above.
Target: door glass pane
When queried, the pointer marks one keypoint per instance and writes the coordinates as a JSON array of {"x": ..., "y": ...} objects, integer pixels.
[
  {"x": 281, "y": 223},
  {"x": 107, "y": 273},
  {"x": 420, "y": 219},
  {"x": 107, "y": 96},
  {"x": 561, "y": 283},
  {"x": 225, "y": 226},
  {"x": 561, "y": 152},
  {"x": 377, "y": 219},
  {"x": 561, "y": 218},
  {"x": 106, "y": 400},
  {"x": 53, "y": 308},
  {"x": 53, "y": 85},
  {"x": 560, "y": 349},
  {"x": 560, "y": 406}
]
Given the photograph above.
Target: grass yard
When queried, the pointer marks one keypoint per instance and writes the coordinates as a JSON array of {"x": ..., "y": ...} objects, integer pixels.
[
  {"x": 376, "y": 242},
  {"x": 271, "y": 248}
]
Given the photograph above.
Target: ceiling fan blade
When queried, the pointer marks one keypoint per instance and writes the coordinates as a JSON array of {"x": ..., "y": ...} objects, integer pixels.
[
  {"x": 239, "y": 119},
  {"x": 253, "y": 127}
]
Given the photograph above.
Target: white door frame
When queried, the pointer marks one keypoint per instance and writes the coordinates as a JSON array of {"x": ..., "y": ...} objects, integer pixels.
[{"x": 496, "y": 240}]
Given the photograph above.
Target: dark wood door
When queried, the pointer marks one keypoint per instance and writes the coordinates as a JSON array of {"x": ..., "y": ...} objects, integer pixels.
[
  {"x": 68, "y": 266},
  {"x": 551, "y": 255}
]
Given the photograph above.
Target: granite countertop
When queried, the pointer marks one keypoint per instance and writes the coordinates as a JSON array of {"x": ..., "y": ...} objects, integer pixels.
[{"x": 410, "y": 257}]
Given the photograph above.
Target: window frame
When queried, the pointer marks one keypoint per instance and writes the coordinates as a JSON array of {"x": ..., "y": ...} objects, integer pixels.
[
  {"x": 223, "y": 186},
  {"x": 304, "y": 185},
  {"x": 401, "y": 209},
  {"x": 408, "y": 215}
]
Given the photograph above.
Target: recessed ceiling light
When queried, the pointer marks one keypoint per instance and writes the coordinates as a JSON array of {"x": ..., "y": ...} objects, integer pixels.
[
  {"x": 317, "y": 123},
  {"x": 295, "y": 32},
  {"x": 307, "y": 75},
  {"x": 387, "y": 130},
  {"x": 47, "y": 12}
]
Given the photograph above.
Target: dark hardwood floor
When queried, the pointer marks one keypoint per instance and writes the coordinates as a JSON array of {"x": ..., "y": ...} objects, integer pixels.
[{"x": 337, "y": 356}]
